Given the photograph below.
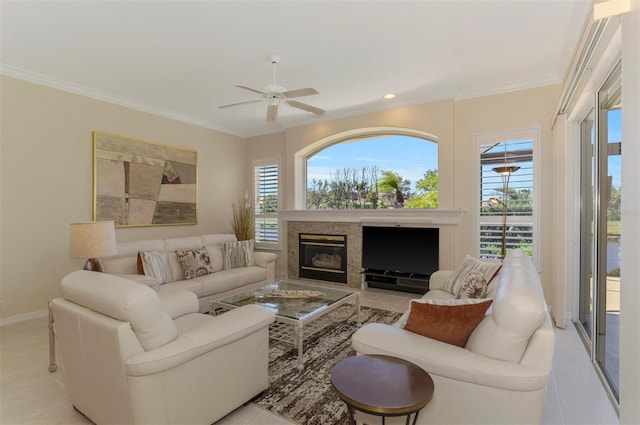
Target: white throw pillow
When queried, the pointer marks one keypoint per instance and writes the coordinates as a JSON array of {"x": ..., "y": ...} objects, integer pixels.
[
  {"x": 454, "y": 282},
  {"x": 153, "y": 265}
]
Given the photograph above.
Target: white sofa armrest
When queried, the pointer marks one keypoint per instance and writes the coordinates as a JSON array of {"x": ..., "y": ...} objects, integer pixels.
[
  {"x": 447, "y": 360},
  {"x": 262, "y": 259},
  {"x": 438, "y": 278},
  {"x": 217, "y": 332}
]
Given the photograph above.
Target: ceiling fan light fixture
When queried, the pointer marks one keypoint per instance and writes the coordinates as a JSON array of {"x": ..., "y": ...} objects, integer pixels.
[
  {"x": 276, "y": 95},
  {"x": 389, "y": 96},
  {"x": 274, "y": 100}
]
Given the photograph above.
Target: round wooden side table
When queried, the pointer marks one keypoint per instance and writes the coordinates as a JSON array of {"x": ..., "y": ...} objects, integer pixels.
[{"x": 382, "y": 385}]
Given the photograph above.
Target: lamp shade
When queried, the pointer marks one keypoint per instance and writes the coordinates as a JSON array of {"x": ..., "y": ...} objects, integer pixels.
[
  {"x": 92, "y": 239},
  {"x": 506, "y": 170}
]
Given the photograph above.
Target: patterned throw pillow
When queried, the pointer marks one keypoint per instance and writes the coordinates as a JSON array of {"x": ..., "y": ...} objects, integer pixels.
[
  {"x": 455, "y": 281},
  {"x": 238, "y": 254},
  {"x": 153, "y": 265},
  {"x": 474, "y": 285},
  {"x": 194, "y": 262},
  {"x": 450, "y": 321}
]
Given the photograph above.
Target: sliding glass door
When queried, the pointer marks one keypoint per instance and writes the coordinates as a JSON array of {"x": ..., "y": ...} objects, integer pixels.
[{"x": 600, "y": 230}]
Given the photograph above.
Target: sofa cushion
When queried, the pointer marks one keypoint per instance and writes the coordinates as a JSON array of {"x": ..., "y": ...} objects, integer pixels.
[
  {"x": 147, "y": 280},
  {"x": 193, "y": 285},
  {"x": 216, "y": 257},
  {"x": 518, "y": 310},
  {"x": 214, "y": 244},
  {"x": 238, "y": 254},
  {"x": 450, "y": 321},
  {"x": 456, "y": 279},
  {"x": 218, "y": 282},
  {"x": 194, "y": 262},
  {"x": 122, "y": 299},
  {"x": 248, "y": 275}
]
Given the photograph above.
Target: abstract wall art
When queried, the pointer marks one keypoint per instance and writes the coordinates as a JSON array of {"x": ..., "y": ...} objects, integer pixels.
[{"x": 138, "y": 183}]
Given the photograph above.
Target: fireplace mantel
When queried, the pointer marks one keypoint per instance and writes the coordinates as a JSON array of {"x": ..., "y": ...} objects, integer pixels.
[{"x": 396, "y": 217}]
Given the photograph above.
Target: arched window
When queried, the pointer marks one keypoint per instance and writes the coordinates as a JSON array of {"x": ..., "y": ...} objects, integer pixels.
[{"x": 373, "y": 172}]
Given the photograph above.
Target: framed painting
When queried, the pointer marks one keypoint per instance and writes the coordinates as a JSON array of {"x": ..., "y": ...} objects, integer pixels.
[{"x": 138, "y": 183}]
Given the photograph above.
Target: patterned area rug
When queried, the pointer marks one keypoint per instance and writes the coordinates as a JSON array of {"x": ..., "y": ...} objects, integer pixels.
[{"x": 306, "y": 397}]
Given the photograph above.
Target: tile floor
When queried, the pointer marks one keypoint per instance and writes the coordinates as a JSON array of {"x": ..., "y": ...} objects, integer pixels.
[{"x": 29, "y": 394}]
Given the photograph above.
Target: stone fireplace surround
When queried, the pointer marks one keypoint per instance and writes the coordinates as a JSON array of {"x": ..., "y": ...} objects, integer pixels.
[{"x": 350, "y": 222}]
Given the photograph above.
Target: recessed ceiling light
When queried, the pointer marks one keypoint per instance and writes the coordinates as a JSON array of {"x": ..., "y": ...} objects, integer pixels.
[{"x": 389, "y": 96}]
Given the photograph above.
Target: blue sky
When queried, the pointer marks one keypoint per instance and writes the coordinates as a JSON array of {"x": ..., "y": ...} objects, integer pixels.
[
  {"x": 411, "y": 157},
  {"x": 615, "y": 135},
  {"x": 408, "y": 156}
]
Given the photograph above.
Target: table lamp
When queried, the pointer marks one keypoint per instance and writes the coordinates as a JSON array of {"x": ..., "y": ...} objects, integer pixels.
[{"x": 92, "y": 240}]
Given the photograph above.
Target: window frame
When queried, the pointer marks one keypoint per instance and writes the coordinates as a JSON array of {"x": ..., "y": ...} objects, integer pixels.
[
  {"x": 261, "y": 163},
  {"x": 362, "y": 135},
  {"x": 483, "y": 140}
]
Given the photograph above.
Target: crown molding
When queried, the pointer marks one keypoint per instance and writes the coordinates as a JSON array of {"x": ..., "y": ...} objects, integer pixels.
[
  {"x": 510, "y": 87},
  {"x": 286, "y": 124},
  {"x": 44, "y": 80}
]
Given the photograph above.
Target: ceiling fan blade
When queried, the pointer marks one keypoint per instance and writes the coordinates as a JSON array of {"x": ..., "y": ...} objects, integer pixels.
[
  {"x": 305, "y": 107},
  {"x": 240, "y": 103},
  {"x": 272, "y": 112},
  {"x": 301, "y": 92},
  {"x": 248, "y": 88}
]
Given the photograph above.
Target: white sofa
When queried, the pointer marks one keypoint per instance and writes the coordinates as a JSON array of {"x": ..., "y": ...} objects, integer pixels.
[
  {"x": 212, "y": 286},
  {"x": 126, "y": 360},
  {"x": 500, "y": 376}
]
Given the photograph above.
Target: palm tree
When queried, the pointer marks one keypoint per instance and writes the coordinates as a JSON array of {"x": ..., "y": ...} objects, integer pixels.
[
  {"x": 427, "y": 196},
  {"x": 391, "y": 181}
]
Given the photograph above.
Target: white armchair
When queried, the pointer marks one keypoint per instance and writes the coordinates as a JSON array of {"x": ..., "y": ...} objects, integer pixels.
[
  {"x": 130, "y": 358},
  {"x": 500, "y": 376}
]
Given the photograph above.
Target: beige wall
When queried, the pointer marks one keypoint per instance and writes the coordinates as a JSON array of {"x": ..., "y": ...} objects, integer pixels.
[
  {"x": 47, "y": 182},
  {"x": 455, "y": 124},
  {"x": 46, "y": 171},
  {"x": 268, "y": 147},
  {"x": 511, "y": 111}
]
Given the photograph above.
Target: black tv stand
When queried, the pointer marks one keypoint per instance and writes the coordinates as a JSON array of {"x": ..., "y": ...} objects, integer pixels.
[{"x": 397, "y": 281}]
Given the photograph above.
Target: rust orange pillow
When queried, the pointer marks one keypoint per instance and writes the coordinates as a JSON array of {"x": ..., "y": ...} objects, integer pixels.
[
  {"x": 450, "y": 321},
  {"x": 140, "y": 266}
]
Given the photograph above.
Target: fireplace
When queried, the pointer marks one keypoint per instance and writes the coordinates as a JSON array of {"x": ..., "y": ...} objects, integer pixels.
[{"x": 323, "y": 257}]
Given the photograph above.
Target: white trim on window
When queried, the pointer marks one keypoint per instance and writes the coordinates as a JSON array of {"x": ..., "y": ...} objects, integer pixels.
[
  {"x": 268, "y": 201},
  {"x": 524, "y": 225}
]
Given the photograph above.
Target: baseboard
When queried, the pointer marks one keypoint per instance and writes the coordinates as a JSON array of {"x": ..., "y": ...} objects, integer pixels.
[{"x": 23, "y": 317}]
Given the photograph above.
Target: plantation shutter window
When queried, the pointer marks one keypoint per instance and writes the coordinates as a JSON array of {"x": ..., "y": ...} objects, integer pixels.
[
  {"x": 520, "y": 198},
  {"x": 267, "y": 200}
]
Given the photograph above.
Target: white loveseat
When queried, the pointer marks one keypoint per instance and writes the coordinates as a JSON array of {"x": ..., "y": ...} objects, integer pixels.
[
  {"x": 211, "y": 286},
  {"x": 127, "y": 360},
  {"x": 500, "y": 376}
]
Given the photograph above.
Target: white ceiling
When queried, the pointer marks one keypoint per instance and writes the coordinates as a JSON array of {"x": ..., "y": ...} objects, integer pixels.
[{"x": 180, "y": 58}]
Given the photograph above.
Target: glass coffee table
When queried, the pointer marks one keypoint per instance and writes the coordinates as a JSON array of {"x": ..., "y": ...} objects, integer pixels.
[{"x": 294, "y": 303}]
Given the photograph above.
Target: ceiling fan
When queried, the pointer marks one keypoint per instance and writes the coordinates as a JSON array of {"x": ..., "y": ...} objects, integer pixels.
[{"x": 276, "y": 95}]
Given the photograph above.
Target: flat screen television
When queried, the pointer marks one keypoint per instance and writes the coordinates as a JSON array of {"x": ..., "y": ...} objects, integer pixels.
[{"x": 405, "y": 250}]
